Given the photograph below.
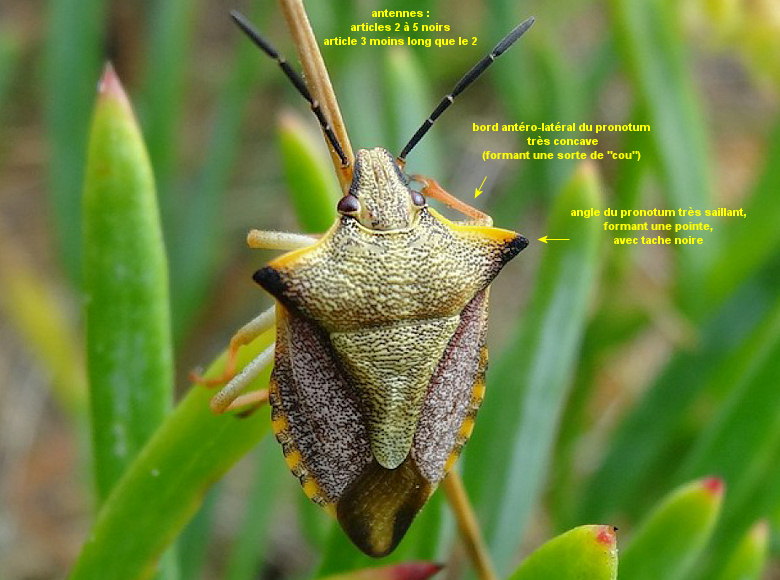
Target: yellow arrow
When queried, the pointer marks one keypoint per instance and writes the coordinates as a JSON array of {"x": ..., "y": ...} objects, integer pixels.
[
  {"x": 478, "y": 190},
  {"x": 545, "y": 239}
]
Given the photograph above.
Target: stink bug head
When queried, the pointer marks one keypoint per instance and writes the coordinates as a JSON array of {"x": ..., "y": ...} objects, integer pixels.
[{"x": 379, "y": 196}]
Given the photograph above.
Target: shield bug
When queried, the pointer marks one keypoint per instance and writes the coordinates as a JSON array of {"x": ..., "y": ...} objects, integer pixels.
[{"x": 380, "y": 355}]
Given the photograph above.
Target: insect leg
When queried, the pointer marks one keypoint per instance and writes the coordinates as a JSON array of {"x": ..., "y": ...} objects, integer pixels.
[
  {"x": 254, "y": 328},
  {"x": 432, "y": 189},
  {"x": 278, "y": 240},
  {"x": 230, "y": 396},
  {"x": 246, "y": 334},
  {"x": 468, "y": 526}
]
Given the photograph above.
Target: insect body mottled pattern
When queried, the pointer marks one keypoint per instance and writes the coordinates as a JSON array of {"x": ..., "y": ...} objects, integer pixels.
[
  {"x": 380, "y": 356},
  {"x": 380, "y": 350}
]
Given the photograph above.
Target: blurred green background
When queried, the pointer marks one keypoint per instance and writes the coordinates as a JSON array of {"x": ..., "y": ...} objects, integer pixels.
[{"x": 616, "y": 373}]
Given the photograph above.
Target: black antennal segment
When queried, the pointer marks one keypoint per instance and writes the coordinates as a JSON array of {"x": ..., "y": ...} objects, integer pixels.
[
  {"x": 464, "y": 82},
  {"x": 295, "y": 79}
]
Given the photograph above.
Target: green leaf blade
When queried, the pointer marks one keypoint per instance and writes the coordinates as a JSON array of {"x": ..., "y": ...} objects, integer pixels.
[
  {"x": 72, "y": 62},
  {"x": 129, "y": 350},
  {"x": 313, "y": 187},
  {"x": 656, "y": 59},
  {"x": 536, "y": 370},
  {"x": 749, "y": 557},
  {"x": 584, "y": 553},
  {"x": 166, "y": 484},
  {"x": 171, "y": 29},
  {"x": 668, "y": 542}
]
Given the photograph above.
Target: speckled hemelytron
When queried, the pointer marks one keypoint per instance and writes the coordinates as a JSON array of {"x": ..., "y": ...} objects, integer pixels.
[{"x": 380, "y": 351}]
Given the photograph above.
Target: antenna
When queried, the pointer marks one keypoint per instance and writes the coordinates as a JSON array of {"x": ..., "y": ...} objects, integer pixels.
[
  {"x": 464, "y": 82},
  {"x": 295, "y": 79}
]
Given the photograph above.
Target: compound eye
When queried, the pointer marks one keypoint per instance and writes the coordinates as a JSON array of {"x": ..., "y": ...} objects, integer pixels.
[
  {"x": 418, "y": 198},
  {"x": 348, "y": 205}
]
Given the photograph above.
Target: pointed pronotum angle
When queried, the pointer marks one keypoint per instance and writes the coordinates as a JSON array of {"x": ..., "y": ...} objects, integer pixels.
[{"x": 380, "y": 355}]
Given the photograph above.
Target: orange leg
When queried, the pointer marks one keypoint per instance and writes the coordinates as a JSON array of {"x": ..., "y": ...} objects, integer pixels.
[
  {"x": 432, "y": 189},
  {"x": 230, "y": 396},
  {"x": 244, "y": 336},
  {"x": 249, "y": 403}
]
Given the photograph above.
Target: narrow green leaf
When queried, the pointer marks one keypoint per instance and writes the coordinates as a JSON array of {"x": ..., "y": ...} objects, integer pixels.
[
  {"x": 738, "y": 517},
  {"x": 198, "y": 226},
  {"x": 128, "y": 328},
  {"x": 251, "y": 541},
  {"x": 360, "y": 103},
  {"x": 584, "y": 553},
  {"x": 535, "y": 62},
  {"x": 194, "y": 540},
  {"x": 312, "y": 184},
  {"x": 189, "y": 231},
  {"x": 408, "y": 102},
  {"x": 752, "y": 241},
  {"x": 72, "y": 63},
  {"x": 668, "y": 542},
  {"x": 166, "y": 484},
  {"x": 729, "y": 345},
  {"x": 653, "y": 49},
  {"x": 161, "y": 105},
  {"x": 742, "y": 439},
  {"x": 749, "y": 557},
  {"x": 528, "y": 385},
  {"x": 607, "y": 328}
]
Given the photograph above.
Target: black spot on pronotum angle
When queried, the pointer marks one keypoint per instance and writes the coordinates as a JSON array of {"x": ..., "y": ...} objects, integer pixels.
[
  {"x": 514, "y": 247},
  {"x": 270, "y": 279},
  {"x": 522, "y": 243}
]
